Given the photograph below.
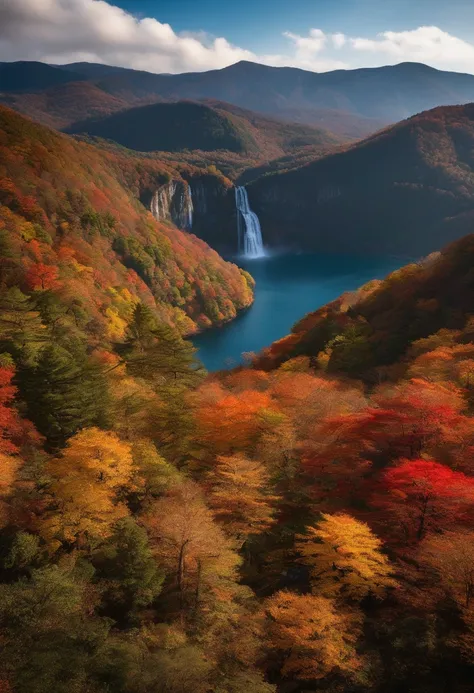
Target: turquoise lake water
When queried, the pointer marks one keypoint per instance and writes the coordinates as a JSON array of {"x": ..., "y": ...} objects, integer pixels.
[{"x": 288, "y": 287}]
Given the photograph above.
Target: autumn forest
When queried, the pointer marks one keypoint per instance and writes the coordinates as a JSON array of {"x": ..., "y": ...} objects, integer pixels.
[{"x": 302, "y": 522}]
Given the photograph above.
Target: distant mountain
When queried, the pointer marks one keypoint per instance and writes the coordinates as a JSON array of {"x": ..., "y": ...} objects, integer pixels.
[
  {"x": 61, "y": 104},
  {"x": 208, "y": 127},
  {"x": 387, "y": 93},
  {"x": 341, "y": 123},
  {"x": 350, "y": 103},
  {"x": 92, "y": 70},
  {"x": 33, "y": 76},
  {"x": 393, "y": 192}
]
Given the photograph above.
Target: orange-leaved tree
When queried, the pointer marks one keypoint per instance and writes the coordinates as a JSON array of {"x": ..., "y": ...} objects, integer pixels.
[
  {"x": 240, "y": 496},
  {"x": 314, "y": 638},
  {"x": 345, "y": 558}
]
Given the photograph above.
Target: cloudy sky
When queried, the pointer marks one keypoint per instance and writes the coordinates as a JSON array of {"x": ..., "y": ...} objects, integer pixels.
[{"x": 194, "y": 35}]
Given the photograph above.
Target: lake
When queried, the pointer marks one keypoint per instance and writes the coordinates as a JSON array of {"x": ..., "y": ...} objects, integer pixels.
[{"x": 288, "y": 287}]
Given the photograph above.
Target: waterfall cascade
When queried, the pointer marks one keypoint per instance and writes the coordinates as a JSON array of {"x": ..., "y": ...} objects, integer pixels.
[{"x": 249, "y": 233}]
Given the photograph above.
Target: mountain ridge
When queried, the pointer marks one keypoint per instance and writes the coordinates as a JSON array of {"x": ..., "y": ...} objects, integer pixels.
[
  {"x": 387, "y": 94},
  {"x": 391, "y": 192}
]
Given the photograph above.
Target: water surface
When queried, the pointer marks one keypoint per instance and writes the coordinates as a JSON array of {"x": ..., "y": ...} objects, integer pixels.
[{"x": 288, "y": 287}]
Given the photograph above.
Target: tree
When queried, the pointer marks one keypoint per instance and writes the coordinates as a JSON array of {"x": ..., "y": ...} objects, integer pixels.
[
  {"x": 189, "y": 542},
  {"x": 41, "y": 276},
  {"x": 421, "y": 496},
  {"x": 231, "y": 422},
  {"x": 314, "y": 638},
  {"x": 452, "y": 556},
  {"x": 9, "y": 466},
  {"x": 155, "y": 351},
  {"x": 64, "y": 392},
  {"x": 86, "y": 479},
  {"x": 20, "y": 322},
  {"x": 345, "y": 558},
  {"x": 156, "y": 476},
  {"x": 49, "y": 638},
  {"x": 240, "y": 496},
  {"x": 125, "y": 561},
  {"x": 13, "y": 430}
]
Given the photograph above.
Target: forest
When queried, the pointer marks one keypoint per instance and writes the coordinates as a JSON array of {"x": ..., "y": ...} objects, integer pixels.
[
  {"x": 393, "y": 192},
  {"x": 303, "y": 523}
]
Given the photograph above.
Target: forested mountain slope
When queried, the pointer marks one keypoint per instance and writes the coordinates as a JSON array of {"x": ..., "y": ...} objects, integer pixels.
[
  {"x": 72, "y": 222},
  {"x": 286, "y": 529},
  {"x": 364, "y": 332},
  {"x": 208, "y": 127},
  {"x": 388, "y": 193}
]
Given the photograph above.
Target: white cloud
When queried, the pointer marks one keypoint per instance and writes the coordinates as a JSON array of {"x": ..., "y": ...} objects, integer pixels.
[
  {"x": 60, "y": 31},
  {"x": 427, "y": 44},
  {"x": 339, "y": 40},
  {"x": 72, "y": 30}
]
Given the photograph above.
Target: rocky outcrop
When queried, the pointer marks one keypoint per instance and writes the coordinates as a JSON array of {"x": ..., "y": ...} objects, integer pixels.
[
  {"x": 173, "y": 202},
  {"x": 215, "y": 219}
]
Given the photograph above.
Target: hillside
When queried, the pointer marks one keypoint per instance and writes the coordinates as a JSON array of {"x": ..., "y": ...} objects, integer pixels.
[
  {"x": 57, "y": 106},
  {"x": 26, "y": 76},
  {"x": 350, "y": 103},
  {"x": 71, "y": 221},
  {"x": 364, "y": 333},
  {"x": 282, "y": 527},
  {"x": 389, "y": 193},
  {"x": 206, "y": 127}
]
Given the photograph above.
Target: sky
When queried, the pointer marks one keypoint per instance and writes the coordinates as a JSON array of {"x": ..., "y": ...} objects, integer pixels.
[{"x": 195, "y": 35}]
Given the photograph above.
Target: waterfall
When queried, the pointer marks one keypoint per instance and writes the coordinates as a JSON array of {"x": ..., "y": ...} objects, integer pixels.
[{"x": 249, "y": 234}]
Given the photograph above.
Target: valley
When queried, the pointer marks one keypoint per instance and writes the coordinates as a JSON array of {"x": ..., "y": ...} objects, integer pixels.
[
  {"x": 287, "y": 287},
  {"x": 236, "y": 368}
]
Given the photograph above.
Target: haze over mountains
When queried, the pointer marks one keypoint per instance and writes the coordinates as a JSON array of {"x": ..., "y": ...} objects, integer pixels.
[{"x": 373, "y": 96}]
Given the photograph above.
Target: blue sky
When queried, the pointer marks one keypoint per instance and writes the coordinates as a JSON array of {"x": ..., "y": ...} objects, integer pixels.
[
  {"x": 259, "y": 24},
  {"x": 196, "y": 35}
]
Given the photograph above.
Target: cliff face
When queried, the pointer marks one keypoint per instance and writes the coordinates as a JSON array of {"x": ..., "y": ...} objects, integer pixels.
[
  {"x": 214, "y": 218},
  {"x": 173, "y": 202}
]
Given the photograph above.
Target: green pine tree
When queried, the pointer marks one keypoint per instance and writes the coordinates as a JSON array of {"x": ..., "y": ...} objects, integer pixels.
[
  {"x": 132, "y": 575},
  {"x": 157, "y": 352},
  {"x": 21, "y": 328},
  {"x": 64, "y": 393}
]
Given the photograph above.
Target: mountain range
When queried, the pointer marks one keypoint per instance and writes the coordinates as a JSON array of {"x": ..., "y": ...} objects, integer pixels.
[{"x": 357, "y": 101}]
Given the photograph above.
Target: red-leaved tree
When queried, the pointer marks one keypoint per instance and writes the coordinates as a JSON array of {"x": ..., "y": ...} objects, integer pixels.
[{"x": 421, "y": 496}]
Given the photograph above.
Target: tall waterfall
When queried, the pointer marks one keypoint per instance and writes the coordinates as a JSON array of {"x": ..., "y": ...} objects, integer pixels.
[{"x": 248, "y": 226}]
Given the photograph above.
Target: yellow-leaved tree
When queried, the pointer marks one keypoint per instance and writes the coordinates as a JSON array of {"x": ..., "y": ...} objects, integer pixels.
[
  {"x": 86, "y": 478},
  {"x": 8, "y": 469},
  {"x": 345, "y": 558},
  {"x": 314, "y": 637},
  {"x": 240, "y": 496}
]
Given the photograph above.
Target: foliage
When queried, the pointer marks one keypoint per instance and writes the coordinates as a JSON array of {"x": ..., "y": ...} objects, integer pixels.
[
  {"x": 345, "y": 559},
  {"x": 314, "y": 638},
  {"x": 85, "y": 481}
]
